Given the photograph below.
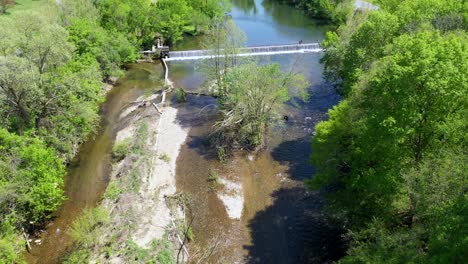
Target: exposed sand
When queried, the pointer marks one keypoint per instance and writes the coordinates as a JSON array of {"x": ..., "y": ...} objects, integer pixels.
[
  {"x": 155, "y": 214},
  {"x": 232, "y": 197}
]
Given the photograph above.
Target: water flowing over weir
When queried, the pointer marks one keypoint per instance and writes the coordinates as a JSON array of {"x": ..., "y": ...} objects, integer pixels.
[{"x": 247, "y": 51}]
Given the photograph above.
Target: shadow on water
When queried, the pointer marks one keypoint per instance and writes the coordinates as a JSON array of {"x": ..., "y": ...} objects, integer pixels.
[
  {"x": 198, "y": 112},
  {"x": 294, "y": 154},
  {"x": 294, "y": 230}
]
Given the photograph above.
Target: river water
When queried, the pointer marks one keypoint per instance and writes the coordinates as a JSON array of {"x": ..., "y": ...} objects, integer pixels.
[
  {"x": 281, "y": 222},
  {"x": 89, "y": 172}
]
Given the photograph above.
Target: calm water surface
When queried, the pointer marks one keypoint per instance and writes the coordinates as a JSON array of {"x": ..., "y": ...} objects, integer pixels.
[{"x": 281, "y": 222}]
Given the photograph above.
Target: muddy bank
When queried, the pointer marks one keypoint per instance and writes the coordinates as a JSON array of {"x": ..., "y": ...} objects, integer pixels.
[{"x": 88, "y": 173}]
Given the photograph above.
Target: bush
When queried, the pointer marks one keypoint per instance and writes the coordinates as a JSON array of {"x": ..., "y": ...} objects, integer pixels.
[
  {"x": 85, "y": 230},
  {"x": 113, "y": 191},
  {"x": 165, "y": 157},
  {"x": 181, "y": 95},
  {"x": 121, "y": 149}
]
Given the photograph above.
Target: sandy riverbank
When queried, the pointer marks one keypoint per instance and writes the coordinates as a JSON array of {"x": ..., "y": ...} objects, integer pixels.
[{"x": 142, "y": 182}]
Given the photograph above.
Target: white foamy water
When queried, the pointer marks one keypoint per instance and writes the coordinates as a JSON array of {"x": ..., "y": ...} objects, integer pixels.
[{"x": 244, "y": 52}]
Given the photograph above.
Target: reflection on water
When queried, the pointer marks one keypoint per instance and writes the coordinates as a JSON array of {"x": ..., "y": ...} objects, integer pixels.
[
  {"x": 275, "y": 23},
  {"x": 245, "y": 5}
]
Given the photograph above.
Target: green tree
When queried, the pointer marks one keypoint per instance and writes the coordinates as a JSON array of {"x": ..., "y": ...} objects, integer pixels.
[
  {"x": 253, "y": 94},
  {"x": 72, "y": 10},
  {"x": 42, "y": 88},
  {"x": 172, "y": 18},
  {"x": 111, "y": 50},
  {"x": 31, "y": 179},
  {"x": 224, "y": 39},
  {"x": 394, "y": 150}
]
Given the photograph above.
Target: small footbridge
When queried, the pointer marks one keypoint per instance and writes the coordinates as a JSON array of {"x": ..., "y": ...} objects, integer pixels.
[{"x": 245, "y": 51}]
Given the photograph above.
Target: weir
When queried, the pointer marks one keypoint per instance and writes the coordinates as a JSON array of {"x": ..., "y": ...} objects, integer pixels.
[{"x": 247, "y": 51}]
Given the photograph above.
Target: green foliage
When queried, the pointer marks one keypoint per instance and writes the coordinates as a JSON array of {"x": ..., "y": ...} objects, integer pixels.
[
  {"x": 394, "y": 150},
  {"x": 53, "y": 59},
  {"x": 72, "y": 10},
  {"x": 213, "y": 176},
  {"x": 113, "y": 191},
  {"x": 365, "y": 36},
  {"x": 121, "y": 149},
  {"x": 80, "y": 256},
  {"x": 142, "y": 20},
  {"x": 158, "y": 252},
  {"x": 224, "y": 38},
  {"x": 10, "y": 249},
  {"x": 173, "y": 16},
  {"x": 332, "y": 10},
  {"x": 30, "y": 179},
  {"x": 213, "y": 180},
  {"x": 165, "y": 157},
  {"x": 86, "y": 230},
  {"x": 221, "y": 154},
  {"x": 181, "y": 95},
  {"x": 252, "y": 95},
  {"x": 5, "y": 5},
  {"x": 141, "y": 140},
  {"x": 111, "y": 49},
  {"x": 42, "y": 88}
]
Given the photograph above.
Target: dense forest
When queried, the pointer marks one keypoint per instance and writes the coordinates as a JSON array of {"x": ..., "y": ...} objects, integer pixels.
[
  {"x": 54, "y": 58},
  {"x": 393, "y": 154}
]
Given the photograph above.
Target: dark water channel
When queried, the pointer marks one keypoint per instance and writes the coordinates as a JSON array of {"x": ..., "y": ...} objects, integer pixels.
[
  {"x": 281, "y": 222},
  {"x": 89, "y": 172}
]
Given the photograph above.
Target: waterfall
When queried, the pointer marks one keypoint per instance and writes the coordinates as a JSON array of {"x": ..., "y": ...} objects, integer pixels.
[{"x": 247, "y": 51}]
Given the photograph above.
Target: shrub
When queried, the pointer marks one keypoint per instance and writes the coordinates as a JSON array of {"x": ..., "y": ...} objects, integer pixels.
[{"x": 121, "y": 149}]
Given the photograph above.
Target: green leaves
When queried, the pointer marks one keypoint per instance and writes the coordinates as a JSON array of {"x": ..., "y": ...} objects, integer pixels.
[
  {"x": 37, "y": 173},
  {"x": 394, "y": 149},
  {"x": 252, "y": 95}
]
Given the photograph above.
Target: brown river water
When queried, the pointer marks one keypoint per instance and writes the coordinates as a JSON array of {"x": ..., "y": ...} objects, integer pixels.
[
  {"x": 281, "y": 221},
  {"x": 89, "y": 172}
]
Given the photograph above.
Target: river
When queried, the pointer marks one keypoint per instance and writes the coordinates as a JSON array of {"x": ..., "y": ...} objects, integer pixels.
[
  {"x": 88, "y": 173},
  {"x": 280, "y": 221}
]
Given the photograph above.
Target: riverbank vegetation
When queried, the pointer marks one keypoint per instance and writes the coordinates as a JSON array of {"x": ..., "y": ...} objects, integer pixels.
[
  {"x": 251, "y": 97},
  {"x": 394, "y": 152},
  {"x": 54, "y": 57},
  {"x": 249, "y": 94},
  {"x": 334, "y": 11}
]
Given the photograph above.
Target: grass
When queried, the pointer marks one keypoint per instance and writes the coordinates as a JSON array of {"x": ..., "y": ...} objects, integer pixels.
[
  {"x": 121, "y": 149},
  {"x": 180, "y": 95},
  {"x": 213, "y": 180},
  {"x": 88, "y": 233},
  {"x": 213, "y": 176},
  {"x": 113, "y": 191},
  {"x": 86, "y": 230},
  {"x": 159, "y": 251},
  {"x": 141, "y": 139},
  {"x": 165, "y": 157}
]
